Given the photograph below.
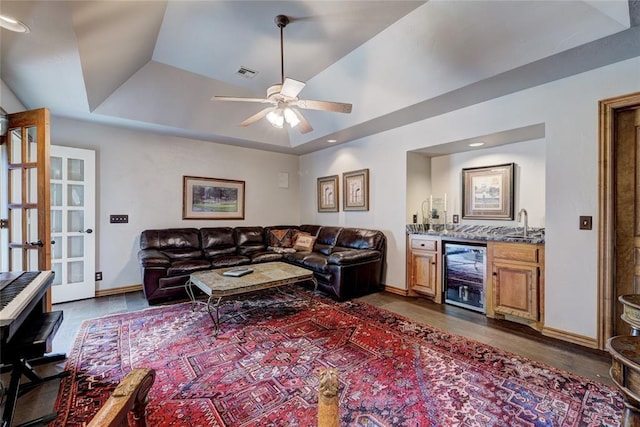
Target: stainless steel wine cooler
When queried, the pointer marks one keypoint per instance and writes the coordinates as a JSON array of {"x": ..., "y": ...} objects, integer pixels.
[{"x": 465, "y": 275}]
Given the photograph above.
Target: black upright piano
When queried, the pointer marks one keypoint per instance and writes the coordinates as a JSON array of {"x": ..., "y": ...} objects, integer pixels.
[{"x": 26, "y": 335}]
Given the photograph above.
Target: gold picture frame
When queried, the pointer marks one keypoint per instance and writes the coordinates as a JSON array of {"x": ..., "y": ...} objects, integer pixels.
[
  {"x": 487, "y": 192},
  {"x": 212, "y": 198},
  {"x": 328, "y": 194},
  {"x": 356, "y": 190}
]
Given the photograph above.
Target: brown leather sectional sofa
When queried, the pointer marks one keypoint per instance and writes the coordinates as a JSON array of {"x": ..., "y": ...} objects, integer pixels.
[{"x": 347, "y": 262}]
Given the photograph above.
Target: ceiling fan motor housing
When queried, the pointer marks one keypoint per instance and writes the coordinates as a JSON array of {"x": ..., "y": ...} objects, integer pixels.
[{"x": 281, "y": 21}]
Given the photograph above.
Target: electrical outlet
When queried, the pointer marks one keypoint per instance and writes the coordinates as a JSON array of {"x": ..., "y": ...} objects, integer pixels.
[
  {"x": 98, "y": 276},
  {"x": 118, "y": 219},
  {"x": 456, "y": 218},
  {"x": 586, "y": 223}
]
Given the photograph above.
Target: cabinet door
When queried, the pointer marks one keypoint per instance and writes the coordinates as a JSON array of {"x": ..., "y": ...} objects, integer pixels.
[
  {"x": 515, "y": 289},
  {"x": 423, "y": 272}
]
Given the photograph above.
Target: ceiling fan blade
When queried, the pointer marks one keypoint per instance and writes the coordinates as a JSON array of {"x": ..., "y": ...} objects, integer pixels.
[
  {"x": 291, "y": 88},
  {"x": 336, "y": 107},
  {"x": 303, "y": 126},
  {"x": 260, "y": 114},
  {"x": 235, "y": 98}
]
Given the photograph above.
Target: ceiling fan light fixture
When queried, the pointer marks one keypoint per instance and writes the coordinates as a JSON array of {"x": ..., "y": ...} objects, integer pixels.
[
  {"x": 291, "y": 117},
  {"x": 276, "y": 118}
]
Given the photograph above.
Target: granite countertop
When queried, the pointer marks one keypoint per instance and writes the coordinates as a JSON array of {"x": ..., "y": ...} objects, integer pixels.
[{"x": 481, "y": 233}]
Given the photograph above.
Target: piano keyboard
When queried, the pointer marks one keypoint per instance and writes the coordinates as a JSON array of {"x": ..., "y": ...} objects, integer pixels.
[
  {"x": 16, "y": 306},
  {"x": 10, "y": 288}
]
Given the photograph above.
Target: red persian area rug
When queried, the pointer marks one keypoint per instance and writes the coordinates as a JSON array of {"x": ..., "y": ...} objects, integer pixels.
[{"x": 262, "y": 370}]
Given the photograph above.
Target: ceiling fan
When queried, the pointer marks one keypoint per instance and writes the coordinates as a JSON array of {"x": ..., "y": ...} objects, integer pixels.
[{"x": 284, "y": 97}]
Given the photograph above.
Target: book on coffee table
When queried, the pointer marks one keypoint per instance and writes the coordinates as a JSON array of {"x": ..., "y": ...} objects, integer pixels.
[{"x": 237, "y": 272}]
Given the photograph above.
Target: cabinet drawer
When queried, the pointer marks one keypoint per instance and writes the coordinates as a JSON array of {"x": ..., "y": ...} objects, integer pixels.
[
  {"x": 424, "y": 244},
  {"x": 516, "y": 252}
]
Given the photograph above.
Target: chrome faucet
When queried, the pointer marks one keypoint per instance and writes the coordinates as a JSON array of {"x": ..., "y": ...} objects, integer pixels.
[{"x": 525, "y": 228}]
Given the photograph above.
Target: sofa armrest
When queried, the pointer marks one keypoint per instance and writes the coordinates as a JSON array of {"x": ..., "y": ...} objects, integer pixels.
[
  {"x": 153, "y": 258},
  {"x": 353, "y": 256}
]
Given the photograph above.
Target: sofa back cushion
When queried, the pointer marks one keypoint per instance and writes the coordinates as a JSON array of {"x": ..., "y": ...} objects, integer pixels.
[
  {"x": 250, "y": 240},
  {"x": 217, "y": 241},
  {"x": 326, "y": 239},
  {"x": 310, "y": 229},
  {"x": 176, "y": 243},
  {"x": 359, "y": 238}
]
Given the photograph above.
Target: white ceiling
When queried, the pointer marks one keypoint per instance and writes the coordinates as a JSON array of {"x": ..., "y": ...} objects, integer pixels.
[{"x": 154, "y": 65}]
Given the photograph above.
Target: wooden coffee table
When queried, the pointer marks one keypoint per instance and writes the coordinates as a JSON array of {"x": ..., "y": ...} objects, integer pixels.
[{"x": 264, "y": 276}]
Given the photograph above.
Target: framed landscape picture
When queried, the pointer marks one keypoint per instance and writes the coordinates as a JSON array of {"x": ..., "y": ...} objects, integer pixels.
[
  {"x": 356, "y": 190},
  {"x": 212, "y": 198},
  {"x": 328, "y": 194},
  {"x": 487, "y": 192}
]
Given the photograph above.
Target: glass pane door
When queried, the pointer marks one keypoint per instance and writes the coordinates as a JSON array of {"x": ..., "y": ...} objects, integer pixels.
[
  {"x": 72, "y": 221},
  {"x": 27, "y": 200}
]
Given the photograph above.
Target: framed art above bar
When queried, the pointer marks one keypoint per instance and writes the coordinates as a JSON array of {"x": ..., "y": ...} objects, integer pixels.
[
  {"x": 328, "y": 194},
  {"x": 212, "y": 198},
  {"x": 356, "y": 190},
  {"x": 487, "y": 192}
]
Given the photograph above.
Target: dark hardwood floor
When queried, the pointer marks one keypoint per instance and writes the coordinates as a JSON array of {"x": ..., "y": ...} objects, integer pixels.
[{"x": 509, "y": 336}]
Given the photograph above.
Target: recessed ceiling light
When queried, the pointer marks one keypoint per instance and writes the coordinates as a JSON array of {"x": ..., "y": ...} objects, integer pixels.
[
  {"x": 476, "y": 144},
  {"x": 12, "y": 24},
  {"x": 331, "y": 141}
]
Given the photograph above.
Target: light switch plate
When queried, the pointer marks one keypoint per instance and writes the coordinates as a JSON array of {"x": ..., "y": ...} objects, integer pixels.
[
  {"x": 118, "y": 219},
  {"x": 586, "y": 223}
]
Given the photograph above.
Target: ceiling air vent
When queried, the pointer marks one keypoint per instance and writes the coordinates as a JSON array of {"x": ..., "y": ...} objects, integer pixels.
[{"x": 246, "y": 73}]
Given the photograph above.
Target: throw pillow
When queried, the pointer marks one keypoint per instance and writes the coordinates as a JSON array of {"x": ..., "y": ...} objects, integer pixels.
[
  {"x": 304, "y": 242},
  {"x": 282, "y": 238}
]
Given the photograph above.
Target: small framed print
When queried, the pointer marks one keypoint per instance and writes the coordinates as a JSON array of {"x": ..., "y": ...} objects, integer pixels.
[
  {"x": 487, "y": 192},
  {"x": 328, "y": 194},
  {"x": 212, "y": 198},
  {"x": 356, "y": 190}
]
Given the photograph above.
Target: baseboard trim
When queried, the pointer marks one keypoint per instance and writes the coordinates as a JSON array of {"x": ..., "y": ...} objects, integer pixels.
[
  {"x": 118, "y": 291},
  {"x": 570, "y": 337},
  {"x": 397, "y": 291}
]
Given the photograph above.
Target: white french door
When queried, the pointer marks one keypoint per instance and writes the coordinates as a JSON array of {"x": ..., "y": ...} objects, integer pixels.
[{"x": 72, "y": 189}]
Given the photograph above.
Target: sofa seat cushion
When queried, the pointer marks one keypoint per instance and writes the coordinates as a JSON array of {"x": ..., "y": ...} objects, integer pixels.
[
  {"x": 251, "y": 248},
  {"x": 266, "y": 257},
  {"x": 182, "y": 254},
  {"x": 311, "y": 260},
  {"x": 217, "y": 252},
  {"x": 187, "y": 266},
  {"x": 153, "y": 258},
  {"x": 229, "y": 261}
]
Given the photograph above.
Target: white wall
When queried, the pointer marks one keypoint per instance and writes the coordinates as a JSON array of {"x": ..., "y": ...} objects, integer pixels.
[
  {"x": 529, "y": 177},
  {"x": 418, "y": 186},
  {"x": 11, "y": 104},
  {"x": 569, "y": 110},
  {"x": 140, "y": 174}
]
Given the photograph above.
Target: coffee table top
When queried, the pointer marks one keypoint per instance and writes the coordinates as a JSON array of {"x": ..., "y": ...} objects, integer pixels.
[{"x": 264, "y": 276}]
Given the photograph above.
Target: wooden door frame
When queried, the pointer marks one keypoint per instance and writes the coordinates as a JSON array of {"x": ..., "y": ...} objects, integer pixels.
[{"x": 607, "y": 299}]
